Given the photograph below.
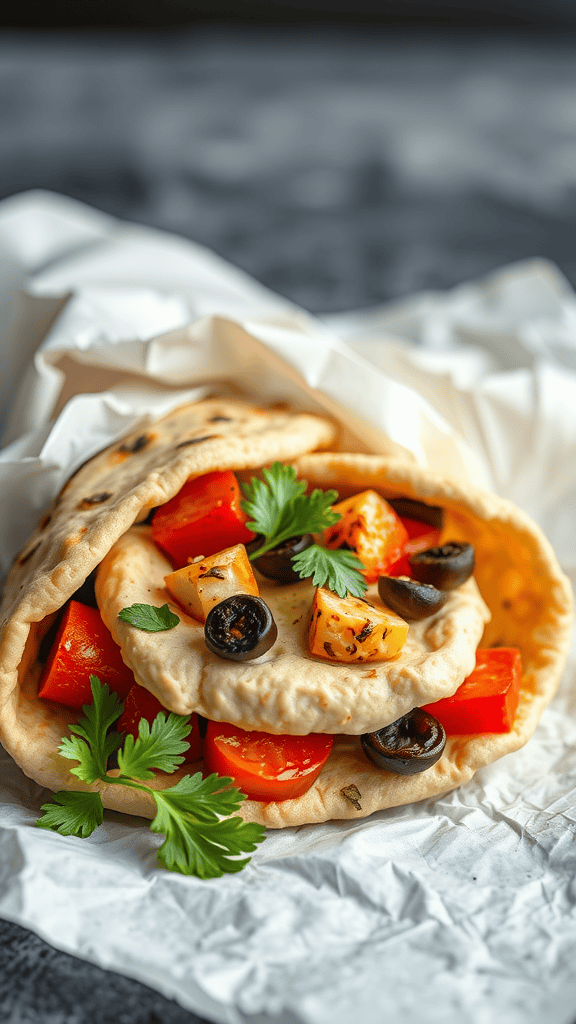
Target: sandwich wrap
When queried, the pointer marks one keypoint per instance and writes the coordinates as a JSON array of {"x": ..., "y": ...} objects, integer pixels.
[{"x": 522, "y": 592}]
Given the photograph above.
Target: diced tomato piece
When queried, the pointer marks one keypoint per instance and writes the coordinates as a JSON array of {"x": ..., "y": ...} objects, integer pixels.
[
  {"x": 421, "y": 536},
  {"x": 263, "y": 766},
  {"x": 416, "y": 528},
  {"x": 83, "y": 647},
  {"x": 140, "y": 703},
  {"x": 487, "y": 700},
  {"x": 203, "y": 518},
  {"x": 371, "y": 529}
]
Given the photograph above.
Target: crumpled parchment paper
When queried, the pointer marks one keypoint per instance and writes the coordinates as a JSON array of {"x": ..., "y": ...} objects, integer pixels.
[{"x": 455, "y": 909}]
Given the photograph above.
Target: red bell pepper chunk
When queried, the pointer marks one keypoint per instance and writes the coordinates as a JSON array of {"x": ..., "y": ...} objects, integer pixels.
[
  {"x": 83, "y": 647},
  {"x": 421, "y": 536},
  {"x": 487, "y": 700},
  {"x": 203, "y": 518},
  {"x": 140, "y": 703}
]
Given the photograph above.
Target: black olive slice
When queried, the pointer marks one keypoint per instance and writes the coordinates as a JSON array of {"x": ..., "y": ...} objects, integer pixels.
[
  {"x": 240, "y": 628},
  {"x": 446, "y": 567},
  {"x": 276, "y": 564},
  {"x": 410, "y": 508},
  {"x": 410, "y": 599},
  {"x": 409, "y": 745}
]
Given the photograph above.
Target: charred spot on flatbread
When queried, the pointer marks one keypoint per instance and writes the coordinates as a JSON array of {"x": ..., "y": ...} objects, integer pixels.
[
  {"x": 132, "y": 447},
  {"x": 27, "y": 555},
  {"x": 196, "y": 440},
  {"x": 94, "y": 499}
]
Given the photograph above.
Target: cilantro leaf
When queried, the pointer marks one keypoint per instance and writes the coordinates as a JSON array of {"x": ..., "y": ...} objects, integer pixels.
[
  {"x": 200, "y": 838},
  {"x": 92, "y": 745},
  {"x": 156, "y": 747},
  {"x": 268, "y": 498},
  {"x": 72, "y": 813},
  {"x": 149, "y": 618},
  {"x": 197, "y": 841},
  {"x": 283, "y": 483},
  {"x": 320, "y": 514},
  {"x": 280, "y": 509},
  {"x": 78, "y": 750},
  {"x": 339, "y": 570}
]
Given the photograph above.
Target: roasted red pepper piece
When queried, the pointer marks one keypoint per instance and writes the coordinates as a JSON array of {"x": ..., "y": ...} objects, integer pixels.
[
  {"x": 83, "y": 647},
  {"x": 421, "y": 536},
  {"x": 263, "y": 766},
  {"x": 487, "y": 700},
  {"x": 203, "y": 518},
  {"x": 140, "y": 703}
]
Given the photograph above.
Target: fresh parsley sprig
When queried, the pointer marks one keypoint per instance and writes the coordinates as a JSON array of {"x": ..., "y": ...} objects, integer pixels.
[
  {"x": 280, "y": 509},
  {"x": 200, "y": 837}
]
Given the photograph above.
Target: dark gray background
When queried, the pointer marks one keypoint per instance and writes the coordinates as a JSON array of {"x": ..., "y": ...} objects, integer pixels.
[
  {"x": 342, "y": 168},
  {"x": 339, "y": 168}
]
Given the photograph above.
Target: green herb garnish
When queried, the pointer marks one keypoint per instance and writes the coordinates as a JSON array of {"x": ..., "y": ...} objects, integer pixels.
[
  {"x": 339, "y": 570},
  {"x": 73, "y": 814},
  {"x": 149, "y": 618},
  {"x": 280, "y": 509},
  {"x": 200, "y": 837}
]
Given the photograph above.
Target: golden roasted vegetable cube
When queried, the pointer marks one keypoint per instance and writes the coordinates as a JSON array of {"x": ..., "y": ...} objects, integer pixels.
[
  {"x": 371, "y": 529},
  {"x": 202, "y": 584},
  {"x": 351, "y": 630}
]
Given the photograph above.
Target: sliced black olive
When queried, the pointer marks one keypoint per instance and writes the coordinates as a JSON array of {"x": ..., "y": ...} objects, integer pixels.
[
  {"x": 240, "y": 628},
  {"x": 410, "y": 508},
  {"x": 276, "y": 564},
  {"x": 409, "y": 745},
  {"x": 446, "y": 567},
  {"x": 410, "y": 599}
]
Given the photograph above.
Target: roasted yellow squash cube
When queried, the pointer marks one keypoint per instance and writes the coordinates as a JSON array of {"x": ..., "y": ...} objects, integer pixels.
[
  {"x": 202, "y": 584},
  {"x": 351, "y": 630},
  {"x": 371, "y": 529}
]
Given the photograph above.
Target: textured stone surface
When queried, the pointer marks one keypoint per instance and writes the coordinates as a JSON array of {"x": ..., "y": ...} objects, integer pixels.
[
  {"x": 39, "y": 985},
  {"x": 340, "y": 170}
]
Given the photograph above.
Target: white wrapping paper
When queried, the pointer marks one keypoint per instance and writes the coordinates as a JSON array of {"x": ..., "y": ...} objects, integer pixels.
[{"x": 451, "y": 910}]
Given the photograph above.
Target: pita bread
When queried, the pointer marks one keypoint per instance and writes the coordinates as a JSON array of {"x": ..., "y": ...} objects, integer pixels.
[{"x": 529, "y": 598}]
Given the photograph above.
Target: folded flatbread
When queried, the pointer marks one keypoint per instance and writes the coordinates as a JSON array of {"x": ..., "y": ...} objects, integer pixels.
[{"x": 519, "y": 588}]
